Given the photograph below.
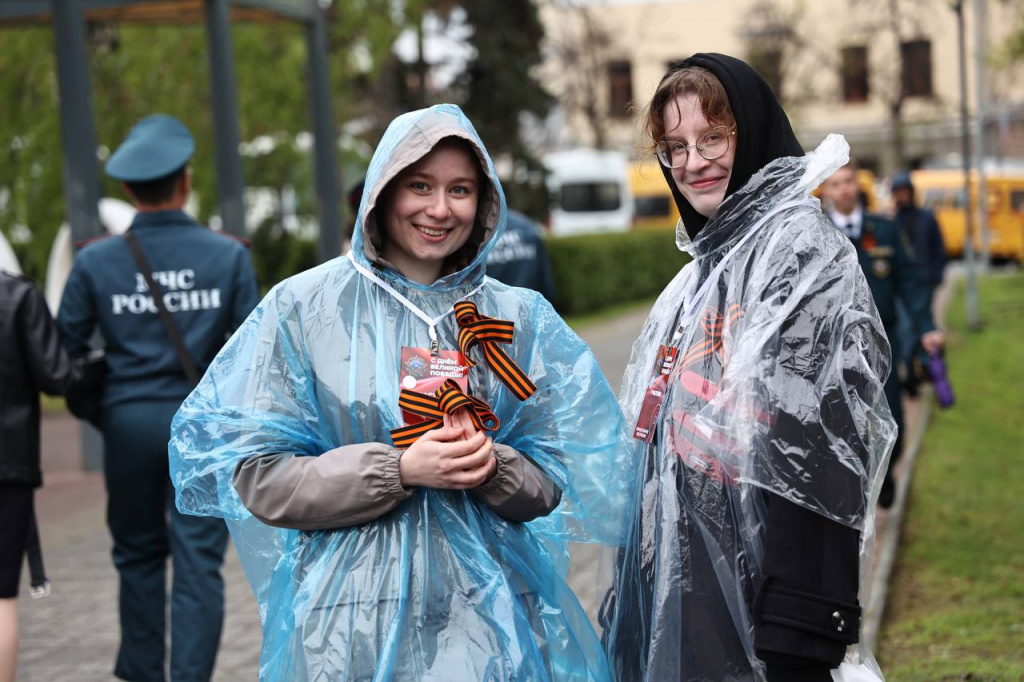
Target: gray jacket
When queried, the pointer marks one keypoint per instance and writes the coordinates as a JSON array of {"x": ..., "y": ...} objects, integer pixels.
[{"x": 358, "y": 483}]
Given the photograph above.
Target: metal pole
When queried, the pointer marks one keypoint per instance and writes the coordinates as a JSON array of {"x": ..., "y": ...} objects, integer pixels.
[
  {"x": 980, "y": 118},
  {"x": 230, "y": 184},
  {"x": 78, "y": 134},
  {"x": 973, "y": 321},
  {"x": 78, "y": 142},
  {"x": 325, "y": 157}
]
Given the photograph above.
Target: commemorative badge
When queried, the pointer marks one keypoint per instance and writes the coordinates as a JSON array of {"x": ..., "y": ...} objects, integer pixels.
[
  {"x": 424, "y": 371},
  {"x": 882, "y": 267}
]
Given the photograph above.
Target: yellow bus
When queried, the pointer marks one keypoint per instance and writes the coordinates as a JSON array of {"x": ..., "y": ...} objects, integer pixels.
[
  {"x": 653, "y": 206},
  {"x": 942, "y": 191}
]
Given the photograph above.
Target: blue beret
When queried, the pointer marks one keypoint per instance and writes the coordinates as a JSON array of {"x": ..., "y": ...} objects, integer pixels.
[
  {"x": 157, "y": 146},
  {"x": 900, "y": 180}
]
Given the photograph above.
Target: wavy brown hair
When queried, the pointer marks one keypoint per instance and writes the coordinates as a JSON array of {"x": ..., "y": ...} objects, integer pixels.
[{"x": 714, "y": 102}]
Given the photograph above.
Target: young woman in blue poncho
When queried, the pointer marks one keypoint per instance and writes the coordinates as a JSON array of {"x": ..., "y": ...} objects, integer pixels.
[{"x": 402, "y": 474}]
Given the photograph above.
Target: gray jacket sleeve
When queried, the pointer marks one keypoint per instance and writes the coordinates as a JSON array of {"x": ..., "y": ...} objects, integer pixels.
[
  {"x": 519, "y": 490},
  {"x": 343, "y": 487}
]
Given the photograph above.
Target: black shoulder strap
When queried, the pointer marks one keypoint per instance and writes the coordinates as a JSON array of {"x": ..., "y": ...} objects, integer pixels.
[{"x": 173, "y": 333}]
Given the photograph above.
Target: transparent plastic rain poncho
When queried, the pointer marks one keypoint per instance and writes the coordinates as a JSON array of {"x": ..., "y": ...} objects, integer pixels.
[
  {"x": 440, "y": 588},
  {"x": 777, "y": 389}
]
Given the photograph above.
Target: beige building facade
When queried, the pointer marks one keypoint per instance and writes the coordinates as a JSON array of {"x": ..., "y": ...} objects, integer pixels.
[{"x": 838, "y": 65}]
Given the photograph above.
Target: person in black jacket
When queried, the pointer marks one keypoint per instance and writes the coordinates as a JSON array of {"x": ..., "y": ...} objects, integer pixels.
[
  {"x": 923, "y": 233},
  {"x": 32, "y": 359},
  {"x": 921, "y": 228},
  {"x": 756, "y": 390}
]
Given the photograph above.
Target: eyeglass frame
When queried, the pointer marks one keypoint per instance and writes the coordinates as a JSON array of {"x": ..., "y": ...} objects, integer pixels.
[{"x": 729, "y": 134}]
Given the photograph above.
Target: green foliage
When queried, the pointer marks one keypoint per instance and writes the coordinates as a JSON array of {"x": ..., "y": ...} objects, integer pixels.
[
  {"x": 139, "y": 70},
  {"x": 278, "y": 254},
  {"x": 498, "y": 87},
  {"x": 31, "y": 185},
  {"x": 595, "y": 271},
  {"x": 1010, "y": 52},
  {"x": 957, "y": 605},
  {"x": 498, "y": 82}
]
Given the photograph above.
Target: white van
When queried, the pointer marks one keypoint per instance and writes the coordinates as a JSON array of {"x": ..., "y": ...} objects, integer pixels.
[{"x": 590, "y": 192}]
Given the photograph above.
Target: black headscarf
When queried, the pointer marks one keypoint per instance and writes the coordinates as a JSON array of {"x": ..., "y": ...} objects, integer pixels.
[{"x": 763, "y": 132}]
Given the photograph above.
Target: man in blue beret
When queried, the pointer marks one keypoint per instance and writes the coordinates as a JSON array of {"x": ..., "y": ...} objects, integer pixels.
[{"x": 203, "y": 288}]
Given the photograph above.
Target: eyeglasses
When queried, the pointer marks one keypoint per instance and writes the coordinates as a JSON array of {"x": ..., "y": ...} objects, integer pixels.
[{"x": 711, "y": 145}]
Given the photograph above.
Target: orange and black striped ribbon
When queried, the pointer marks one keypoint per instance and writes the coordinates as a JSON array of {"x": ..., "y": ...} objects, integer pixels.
[
  {"x": 488, "y": 332},
  {"x": 434, "y": 406},
  {"x": 714, "y": 325}
]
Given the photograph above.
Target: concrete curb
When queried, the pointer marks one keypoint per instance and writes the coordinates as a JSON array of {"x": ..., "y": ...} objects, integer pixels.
[{"x": 888, "y": 545}]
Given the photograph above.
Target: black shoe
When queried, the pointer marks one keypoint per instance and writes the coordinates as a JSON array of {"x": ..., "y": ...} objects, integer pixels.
[{"x": 888, "y": 493}]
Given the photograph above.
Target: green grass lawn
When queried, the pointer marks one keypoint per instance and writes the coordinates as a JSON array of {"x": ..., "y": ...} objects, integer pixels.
[{"x": 956, "y": 601}]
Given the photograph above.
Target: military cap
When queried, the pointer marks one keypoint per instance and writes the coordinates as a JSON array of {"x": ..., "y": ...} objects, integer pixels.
[
  {"x": 901, "y": 180},
  {"x": 157, "y": 146}
]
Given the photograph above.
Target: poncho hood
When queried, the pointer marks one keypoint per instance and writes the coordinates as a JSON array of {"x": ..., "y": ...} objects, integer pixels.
[{"x": 408, "y": 139}]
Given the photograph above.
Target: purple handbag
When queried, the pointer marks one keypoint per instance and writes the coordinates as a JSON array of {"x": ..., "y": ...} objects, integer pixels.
[{"x": 940, "y": 380}]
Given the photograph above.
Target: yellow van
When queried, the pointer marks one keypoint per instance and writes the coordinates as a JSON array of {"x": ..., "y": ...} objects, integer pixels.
[
  {"x": 942, "y": 191},
  {"x": 653, "y": 206}
]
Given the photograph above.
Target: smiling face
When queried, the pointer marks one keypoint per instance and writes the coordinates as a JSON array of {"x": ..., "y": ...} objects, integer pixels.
[
  {"x": 702, "y": 182},
  {"x": 430, "y": 210}
]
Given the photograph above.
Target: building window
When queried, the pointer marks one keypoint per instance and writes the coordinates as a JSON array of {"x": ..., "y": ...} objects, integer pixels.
[
  {"x": 620, "y": 96},
  {"x": 855, "y": 74},
  {"x": 917, "y": 68},
  {"x": 768, "y": 63}
]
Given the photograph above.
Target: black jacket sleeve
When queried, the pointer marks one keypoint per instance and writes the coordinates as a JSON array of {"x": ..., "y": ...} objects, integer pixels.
[
  {"x": 806, "y": 608},
  {"x": 47, "y": 362}
]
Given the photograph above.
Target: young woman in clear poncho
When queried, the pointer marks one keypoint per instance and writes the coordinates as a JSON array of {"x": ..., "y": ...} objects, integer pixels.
[
  {"x": 440, "y": 559},
  {"x": 764, "y": 454}
]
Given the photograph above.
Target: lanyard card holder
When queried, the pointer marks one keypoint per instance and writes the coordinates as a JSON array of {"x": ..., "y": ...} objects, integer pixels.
[{"x": 650, "y": 409}]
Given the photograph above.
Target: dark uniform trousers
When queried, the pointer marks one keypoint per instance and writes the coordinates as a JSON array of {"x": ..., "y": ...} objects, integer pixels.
[{"x": 146, "y": 528}]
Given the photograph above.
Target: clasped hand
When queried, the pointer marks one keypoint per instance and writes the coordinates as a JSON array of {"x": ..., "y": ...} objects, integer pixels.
[{"x": 456, "y": 456}]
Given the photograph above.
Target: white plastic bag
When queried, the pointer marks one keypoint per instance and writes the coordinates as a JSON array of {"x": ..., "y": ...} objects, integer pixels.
[{"x": 855, "y": 672}]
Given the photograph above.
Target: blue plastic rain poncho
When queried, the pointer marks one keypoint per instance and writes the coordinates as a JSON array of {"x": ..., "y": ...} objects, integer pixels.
[
  {"x": 774, "y": 404},
  {"x": 440, "y": 586}
]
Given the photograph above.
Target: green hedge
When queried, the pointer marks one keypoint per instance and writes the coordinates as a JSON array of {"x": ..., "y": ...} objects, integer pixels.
[
  {"x": 592, "y": 272},
  {"x": 595, "y": 271}
]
